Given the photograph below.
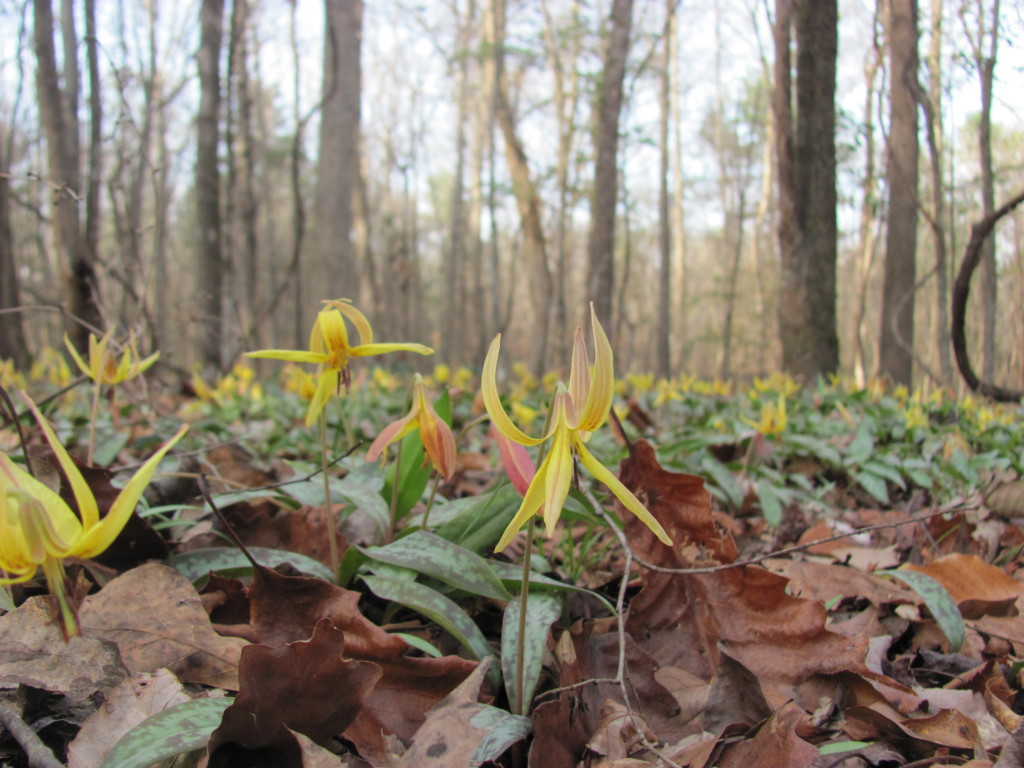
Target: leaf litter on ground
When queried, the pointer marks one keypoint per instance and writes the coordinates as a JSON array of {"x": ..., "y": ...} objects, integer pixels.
[{"x": 794, "y": 660}]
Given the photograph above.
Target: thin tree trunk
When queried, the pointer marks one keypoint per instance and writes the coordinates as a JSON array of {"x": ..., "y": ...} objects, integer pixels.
[
  {"x": 339, "y": 151},
  {"x": 93, "y": 198},
  {"x": 12, "y": 329},
  {"x": 807, "y": 185},
  {"x": 601, "y": 242},
  {"x": 208, "y": 221},
  {"x": 986, "y": 63},
  {"x": 453, "y": 325},
  {"x": 678, "y": 208},
  {"x": 932, "y": 102},
  {"x": 58, "y": 109},
  {"x": 663, "y": 364},
  {"x": 895, "y": 349},
  {"x": 527, "y": 198}
]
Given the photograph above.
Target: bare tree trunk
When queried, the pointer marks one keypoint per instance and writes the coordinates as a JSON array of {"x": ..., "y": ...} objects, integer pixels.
[
  {"x": 93, "y": 197},
  {"x": 932, "y": 102},
  {"x": 807, "y": 185},
  {"x": 868, "y": 215},
  {"x": 601, "y": 243},
  {"x": 58, "y": 109},
  {"x": 678, "y": 207},
  {"x": 527, "y": 197},
  {"x": 483, "y": 135},
  {"x": 566, "y": 99},
  {"x": 12, "y": 329},
  {"x": 245, "y": 188},
  {"x": 896, "y": 341},
  {"x": 663, "y": 364},
  {"x": 453, "y": 325},
  {"x": 339, "y": 151},
  {"x": 725, "y": 371},
  {"x": 985, "y": 46},
  {"x": 208, "y": 224}
]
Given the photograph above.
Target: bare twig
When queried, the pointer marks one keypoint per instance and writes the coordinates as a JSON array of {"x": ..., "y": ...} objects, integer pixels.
[{"x": 38, "y": 754}]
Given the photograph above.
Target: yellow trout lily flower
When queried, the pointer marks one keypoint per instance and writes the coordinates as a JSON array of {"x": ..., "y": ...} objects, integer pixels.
[
  {"x": 330, "y": 348},
  {"x": 38, "y": 529},
  {"x": 435, "y": 434},
  {"x": 576, "y": 411},
  {"x": 103, "y": 367},
  {"x": 773, "y": 418}
]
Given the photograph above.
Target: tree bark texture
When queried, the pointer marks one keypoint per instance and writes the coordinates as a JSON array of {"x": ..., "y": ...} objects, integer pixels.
[
  {"x": 896, "y": 336},
  {"x": 601, "y": 243},
  {"x": 805, "y": 151},
  {"x": 336, "y": 270},
  {"x": 12, "y": 328},
  {"x": 207, "y": 181},
  {"x": 663, "y": 351},
  {"x": 58, "y": 110}
]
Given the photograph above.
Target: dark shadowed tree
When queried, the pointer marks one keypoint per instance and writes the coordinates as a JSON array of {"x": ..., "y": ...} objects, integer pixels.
[
  {"x": 209, "y": 241},
  {"x": 333, "y": 251},
  {"x": 601, "y": 243},
  {"x": 58, "y": 111},
  {"x": 896, "y": 336},
  {"x": 805, "y": 152},
  {"x": 12, "y": 330}
]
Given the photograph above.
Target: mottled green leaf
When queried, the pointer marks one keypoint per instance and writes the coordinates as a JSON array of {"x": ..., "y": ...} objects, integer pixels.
[
  {"x": 542, "y": 610},
  {"x": 939, "y": 602},
  {"x": 174, "y": 731},
  {"x": 438, "y": 558},
  {"x": 198, "y": 563},
  {"x": 503, "y": 730},
  {"x": 439, "y": 609}
]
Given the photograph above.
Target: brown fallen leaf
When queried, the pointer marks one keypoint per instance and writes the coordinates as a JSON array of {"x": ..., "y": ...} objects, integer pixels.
[
  {"x": 681, "y": 619},
  {"x": 306, "y": 686},
  {"x": 33, "y": 653},
  {"x": 286, "y": 608},
  {"x": 977, "y": 587},
  {"x": 156, "y": 618},
  {"x": 775, "y": 745},
  {"x": 135, "y": 700},
  {"x": 454, "y": 729}
]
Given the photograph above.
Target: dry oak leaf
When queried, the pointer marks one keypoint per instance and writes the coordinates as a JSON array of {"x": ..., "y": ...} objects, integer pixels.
[
  {"x": 156, "y": 618},
  {"x": 776, "y": 744},
  {"x": 308, "y": 687},
  {"x": 454, "y": 729},
  {"x": 681, "y": 619},
  {"x": 33, "y": 653},
  {"x": 977, "y": 587},
  {"x": 135, "y": 700}
]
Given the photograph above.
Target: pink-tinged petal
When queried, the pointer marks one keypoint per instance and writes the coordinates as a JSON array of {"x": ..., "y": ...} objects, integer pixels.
[
  {"x": 357, "y": 318},
  {"x": 602, "y": 382},
  {"x": 579, "y": 376},
  {"x": 531, "y": 503},
  {"x": 291, "y": 355},
  {"x": 437, "y": 438},
  {"x": 367, "y": 350},
  {"x": 557, "y": 472},
  {"x": 97, "y": 539},
  {"x": 517, "y": 462},
  {"x": 326, "y": 386},
  {"x": 393, "y": 432},
  {"x": 602, "y": 474},
  {"x": 83, "y": 494},
  {"x": 82, "y": 365},
  {"x": 492, "y": 401}
]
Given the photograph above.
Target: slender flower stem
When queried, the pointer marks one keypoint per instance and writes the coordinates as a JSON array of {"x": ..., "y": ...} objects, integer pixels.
[
  {"x": 332, "y": 522},
  {"x": 393, "y": 508},
  {"x": 430, "y": 502},
  {"x": 92, "y": 422},
  {"x": 524, "y": 595}
]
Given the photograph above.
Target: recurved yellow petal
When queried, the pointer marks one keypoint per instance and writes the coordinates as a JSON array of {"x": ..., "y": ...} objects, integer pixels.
[
  {"x": 622, "y": 493},
  {"x": 492, "y": 401},
  {"x": 365, "y": 350},
  {"x": 358, "y": 319},
  {"x": 602, "y": 382}
]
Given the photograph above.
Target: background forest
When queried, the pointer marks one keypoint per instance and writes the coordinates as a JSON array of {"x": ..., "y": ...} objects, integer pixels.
[{"x": 204, "y": 173}]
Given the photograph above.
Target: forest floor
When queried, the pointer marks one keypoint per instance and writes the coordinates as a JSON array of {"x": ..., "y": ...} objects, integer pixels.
[{"x": 844, "y": 588}]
